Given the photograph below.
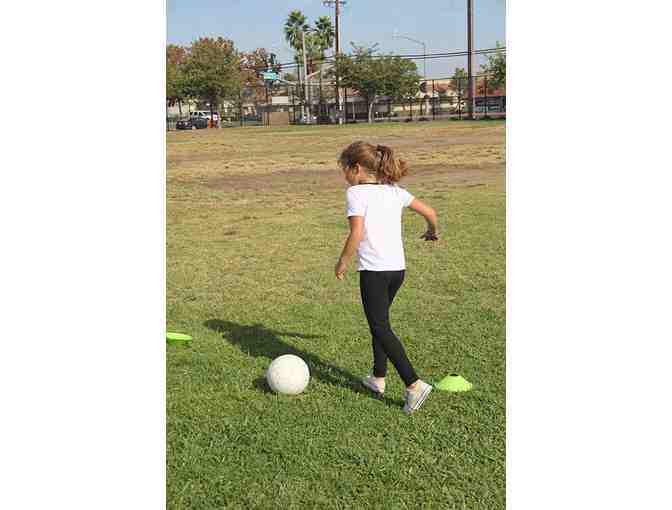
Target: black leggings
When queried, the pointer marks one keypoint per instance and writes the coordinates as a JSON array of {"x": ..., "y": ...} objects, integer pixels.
[{"x": 378, "y": 289}]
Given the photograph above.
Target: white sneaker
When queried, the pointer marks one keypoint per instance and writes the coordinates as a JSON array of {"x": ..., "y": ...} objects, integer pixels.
[
  {"x": 416, "y": 397},
  {"x": 370, "y": 382}
]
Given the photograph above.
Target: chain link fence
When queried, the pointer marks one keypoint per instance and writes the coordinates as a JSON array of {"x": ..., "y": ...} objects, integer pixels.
[{"x": 317, "y": 103}]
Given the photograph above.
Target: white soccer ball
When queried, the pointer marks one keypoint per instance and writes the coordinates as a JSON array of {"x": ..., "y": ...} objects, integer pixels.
[{"x": 288, "y": 374}]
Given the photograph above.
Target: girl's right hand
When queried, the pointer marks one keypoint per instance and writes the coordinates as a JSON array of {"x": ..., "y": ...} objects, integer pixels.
[
  {"x": 430, "y": 235},
  {"x": 430, "y": 215},
  {"x": 340, "y": 269}
]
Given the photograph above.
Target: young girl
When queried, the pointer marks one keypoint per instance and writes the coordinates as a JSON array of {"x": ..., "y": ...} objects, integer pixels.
[{"x": 374, "y": 207}]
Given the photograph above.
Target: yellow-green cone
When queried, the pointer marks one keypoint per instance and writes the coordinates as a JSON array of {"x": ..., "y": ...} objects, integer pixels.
[
  {"x": 177, "y": 338},
  {"x": 453, "y": 382}
]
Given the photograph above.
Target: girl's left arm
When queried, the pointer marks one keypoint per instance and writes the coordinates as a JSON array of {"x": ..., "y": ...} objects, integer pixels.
[{"x": 351, "y": 244}]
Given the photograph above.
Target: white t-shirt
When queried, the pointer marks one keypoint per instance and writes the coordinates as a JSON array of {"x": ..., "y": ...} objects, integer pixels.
[{"x": 381, "y": 205}]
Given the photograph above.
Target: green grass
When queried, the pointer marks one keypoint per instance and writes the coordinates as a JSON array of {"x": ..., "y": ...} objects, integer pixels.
[{"x": 250, "y": 277}]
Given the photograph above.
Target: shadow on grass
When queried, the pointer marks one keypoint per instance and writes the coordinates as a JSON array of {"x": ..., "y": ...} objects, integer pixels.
[{"x": 261, "y": 342}]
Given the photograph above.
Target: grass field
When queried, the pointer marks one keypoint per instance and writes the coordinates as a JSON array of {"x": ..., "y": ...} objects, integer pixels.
[{"x": 255, "y": 223}]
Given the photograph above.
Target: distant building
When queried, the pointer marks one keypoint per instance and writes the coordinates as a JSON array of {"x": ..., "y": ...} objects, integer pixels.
[{"x": 433, "y": 99}]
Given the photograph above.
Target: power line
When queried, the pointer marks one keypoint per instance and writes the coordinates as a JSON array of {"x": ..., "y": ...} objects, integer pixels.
[
  {"x": 412, "y": 56},
  {"x": 415, "y": 56}
]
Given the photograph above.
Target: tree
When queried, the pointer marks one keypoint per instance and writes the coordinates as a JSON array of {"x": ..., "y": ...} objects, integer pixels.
[
  {"x": 298, "y": 34},
  {"x": 324, "y": 34},
  {"x": 256, "y": 61},
  {"x": 317, "y": 39},
  {"x": 374, "y": 76},
  {"x": 495, "y": 69},
  {"x": 252, "y": 64},
  {"x": 322, "y": 39},
  {"x": 212, "y": 70},
  {"x": 460, "y": 82},
  {"x": 175, "y": 58},
  {"x": 295, "y": 26}
]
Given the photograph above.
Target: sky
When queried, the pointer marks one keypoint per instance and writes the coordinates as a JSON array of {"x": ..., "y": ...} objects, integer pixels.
[{"x": 440, "y": 24}]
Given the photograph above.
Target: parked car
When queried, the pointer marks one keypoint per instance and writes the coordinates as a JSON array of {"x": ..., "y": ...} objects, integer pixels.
[
  {"x": 192, "y": 123},
  {"x": 305, "y": 119}
]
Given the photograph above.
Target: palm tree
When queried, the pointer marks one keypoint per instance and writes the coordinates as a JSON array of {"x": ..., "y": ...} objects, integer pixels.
[
  {"x": 317, "y": 40},
  {"x": 295, "y": 26},
  {"x": 322, "y": 39},
  {"x": 324, "y": 34}
]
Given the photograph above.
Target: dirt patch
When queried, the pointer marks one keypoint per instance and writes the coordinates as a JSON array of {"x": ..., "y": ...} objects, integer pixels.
[
  {"x": 467, "y": 175},
  {"x": 401, "y": 145},
  {"x": 290, "y": 151},
  {"x": 294, "y": 180},
  {"x": 329, "y": 180}
]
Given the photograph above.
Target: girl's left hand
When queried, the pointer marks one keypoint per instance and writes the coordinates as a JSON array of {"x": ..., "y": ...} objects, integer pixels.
[{"x": 340, "y": 269}]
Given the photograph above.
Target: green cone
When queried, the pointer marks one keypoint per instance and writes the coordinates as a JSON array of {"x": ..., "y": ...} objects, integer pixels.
[
  {"x": 177, "y": 338},
  {"x": 453, "y": 382}
]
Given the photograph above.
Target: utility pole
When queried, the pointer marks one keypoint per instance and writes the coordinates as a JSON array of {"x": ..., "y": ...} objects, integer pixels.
[
  {"x": 337, "y": 4},
  {"x": 470, "y": 51}
]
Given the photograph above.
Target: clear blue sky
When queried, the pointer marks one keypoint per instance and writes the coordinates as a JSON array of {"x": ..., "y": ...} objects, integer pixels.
[{"x": 440, "y": 24}]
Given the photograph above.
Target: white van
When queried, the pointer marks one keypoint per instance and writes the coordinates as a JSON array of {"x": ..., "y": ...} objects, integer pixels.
[{"x": 205, "y": 114}]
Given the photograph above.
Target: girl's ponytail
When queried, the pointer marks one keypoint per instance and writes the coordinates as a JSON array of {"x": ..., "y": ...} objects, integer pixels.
[
  {"x": 378, "y": 161},
  {"x": 390, "y": 169}
]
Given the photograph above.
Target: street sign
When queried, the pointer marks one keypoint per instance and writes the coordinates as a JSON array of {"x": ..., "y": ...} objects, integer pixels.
[{"x": 270, "y": 76}]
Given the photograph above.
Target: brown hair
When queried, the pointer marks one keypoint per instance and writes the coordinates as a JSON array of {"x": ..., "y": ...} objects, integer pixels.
[{"x": 377, "y": 160}]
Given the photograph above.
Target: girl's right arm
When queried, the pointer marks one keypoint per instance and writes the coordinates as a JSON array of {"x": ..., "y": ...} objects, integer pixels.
[{"x": 430, "y": 215}]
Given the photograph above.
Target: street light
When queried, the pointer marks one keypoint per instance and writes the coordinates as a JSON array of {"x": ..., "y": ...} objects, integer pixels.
[
  {"x": 373, "y": 48},
  {"x": 424, "y": 51},
  {"x": 305, "y": 72}
]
